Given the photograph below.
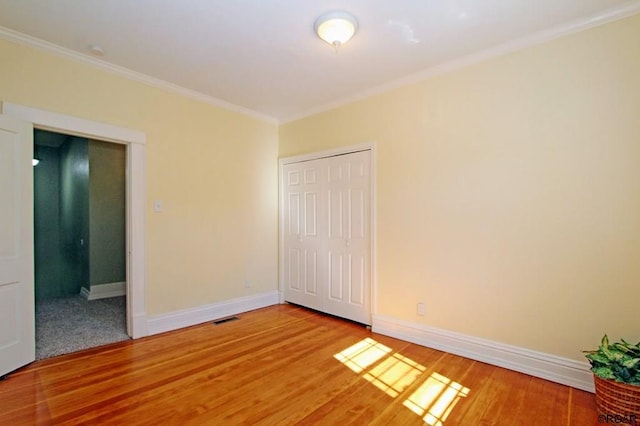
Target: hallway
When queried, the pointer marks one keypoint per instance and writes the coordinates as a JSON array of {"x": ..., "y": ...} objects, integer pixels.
[{"x": 73, "y": 323}]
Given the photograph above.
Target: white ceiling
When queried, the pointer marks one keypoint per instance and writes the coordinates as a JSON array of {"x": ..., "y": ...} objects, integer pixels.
[{"x": 262, "y": 56}]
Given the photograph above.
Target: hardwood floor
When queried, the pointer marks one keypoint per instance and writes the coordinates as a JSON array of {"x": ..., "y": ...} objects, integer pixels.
[{"x": 281, "y": 365}]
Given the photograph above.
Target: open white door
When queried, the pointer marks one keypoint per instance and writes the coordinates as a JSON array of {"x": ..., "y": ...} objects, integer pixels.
[{"x": 17, "y": 323}]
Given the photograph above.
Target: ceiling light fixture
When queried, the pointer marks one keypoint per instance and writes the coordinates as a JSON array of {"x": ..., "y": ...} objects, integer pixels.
[
  {"x": 336, "y": 28},
  {"x": 36, "y": 158}
]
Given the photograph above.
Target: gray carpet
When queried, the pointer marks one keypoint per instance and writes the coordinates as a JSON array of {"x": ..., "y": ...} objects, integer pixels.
[{"x": 70, "y": 324}]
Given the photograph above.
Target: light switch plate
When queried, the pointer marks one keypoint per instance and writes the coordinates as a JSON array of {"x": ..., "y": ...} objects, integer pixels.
[{"x": 421, "y": 309}]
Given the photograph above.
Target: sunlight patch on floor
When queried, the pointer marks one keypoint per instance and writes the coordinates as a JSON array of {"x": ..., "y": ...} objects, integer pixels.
[
  {"x": 362, "y": 354},
  {"x": 433, "y": 400},
  {"x": 394, "y": 374}
]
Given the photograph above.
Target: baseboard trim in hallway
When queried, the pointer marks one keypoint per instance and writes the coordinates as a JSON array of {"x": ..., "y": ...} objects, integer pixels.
[{"x": 103, "y": 291}]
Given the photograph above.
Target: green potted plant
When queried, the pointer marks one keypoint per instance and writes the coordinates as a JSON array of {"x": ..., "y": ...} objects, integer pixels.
[{"x": 616, "y": 373}]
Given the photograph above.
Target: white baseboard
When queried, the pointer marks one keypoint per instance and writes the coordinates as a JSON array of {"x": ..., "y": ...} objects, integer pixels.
[
  {"x": 102, "y": 291},
  {"x": 550, "y": 367},
  {"x": 192, "y": 316}
]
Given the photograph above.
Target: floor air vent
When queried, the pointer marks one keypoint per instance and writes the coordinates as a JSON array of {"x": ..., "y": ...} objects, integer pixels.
[{"x": 224, "y": 320}]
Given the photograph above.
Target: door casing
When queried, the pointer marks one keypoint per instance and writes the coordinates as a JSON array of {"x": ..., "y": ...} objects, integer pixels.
[{"x": 135, "y": 143}]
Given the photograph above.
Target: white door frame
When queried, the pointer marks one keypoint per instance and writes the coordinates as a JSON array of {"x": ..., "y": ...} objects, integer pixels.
[
  {"x": 372, "y": 224},
  {"x": 135, "y": 143}
]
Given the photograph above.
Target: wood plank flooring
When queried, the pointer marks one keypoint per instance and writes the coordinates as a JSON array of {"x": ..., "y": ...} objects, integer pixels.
[{"x": 281, "y": 365}]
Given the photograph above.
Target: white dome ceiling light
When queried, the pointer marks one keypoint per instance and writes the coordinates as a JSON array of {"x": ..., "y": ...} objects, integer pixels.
[{"x": 336, "y": 28}]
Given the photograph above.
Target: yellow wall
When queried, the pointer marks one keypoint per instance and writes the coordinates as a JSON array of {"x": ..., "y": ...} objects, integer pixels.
[
  {"x": 508, "y": 192},
  {"x": 214, "y": 170}
]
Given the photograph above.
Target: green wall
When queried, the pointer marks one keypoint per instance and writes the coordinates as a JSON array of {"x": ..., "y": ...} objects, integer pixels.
[
  {"x": 107, "y": 261},
  {"x": 74, "y": 214},
  {"x": 79, "y": 214},
  {"x": 46, "y": 214}
]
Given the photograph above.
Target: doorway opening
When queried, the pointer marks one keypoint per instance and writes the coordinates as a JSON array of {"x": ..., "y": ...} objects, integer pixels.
[
  {"x": 17, "y": 123},
  {"x": 135, "y": 141},
  {"x": 80, "y": 242}
]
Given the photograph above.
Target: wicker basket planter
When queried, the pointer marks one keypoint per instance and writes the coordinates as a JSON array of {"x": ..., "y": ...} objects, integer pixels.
[{"x": 617, "y": 398}]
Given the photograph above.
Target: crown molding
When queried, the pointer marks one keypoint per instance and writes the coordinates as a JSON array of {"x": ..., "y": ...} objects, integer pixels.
[
  {"x": 609, "y": 15},
  {"x": 603, "y": 17},
  {"x": 24, "y": 39}
]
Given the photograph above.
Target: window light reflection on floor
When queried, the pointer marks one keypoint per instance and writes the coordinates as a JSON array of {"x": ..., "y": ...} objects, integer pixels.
[
  {"x": 433, "y": 400},
  {"x": 394, "y": 374},
  {"x": 362, "y": 354}
]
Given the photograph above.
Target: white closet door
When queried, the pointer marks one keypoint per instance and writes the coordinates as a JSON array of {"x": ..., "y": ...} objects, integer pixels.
[
  {"x": 327, "y": 235},
  {"x": 303, "y": 198},
  {"x": 347, "y": 269}
]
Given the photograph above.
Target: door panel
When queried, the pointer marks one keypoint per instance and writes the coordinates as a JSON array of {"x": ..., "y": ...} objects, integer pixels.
[
  {"x": 336, "y": 277},
  {"x": 294, "y": 269},
  {"x": 350, "y": 279},
  {"x": 336, "y": 209},
  {"x": 294, "y": 214},
  {"x": 311, "y": 272},
  {"x": 356, "y": 219},
  {"x": 358, "y": 282},
  {"x": 311, "y": 214},
  {"x": 302, "y": 223},
  {"x": 17, "y": 332},
  {"x": 9, "y": 190},
  {"x": 9, "y": 315}
]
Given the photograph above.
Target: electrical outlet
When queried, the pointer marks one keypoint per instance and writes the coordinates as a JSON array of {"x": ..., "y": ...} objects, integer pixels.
[
  {"x": 247, "y": 284},
  {"x": 421, "y": 309}
]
